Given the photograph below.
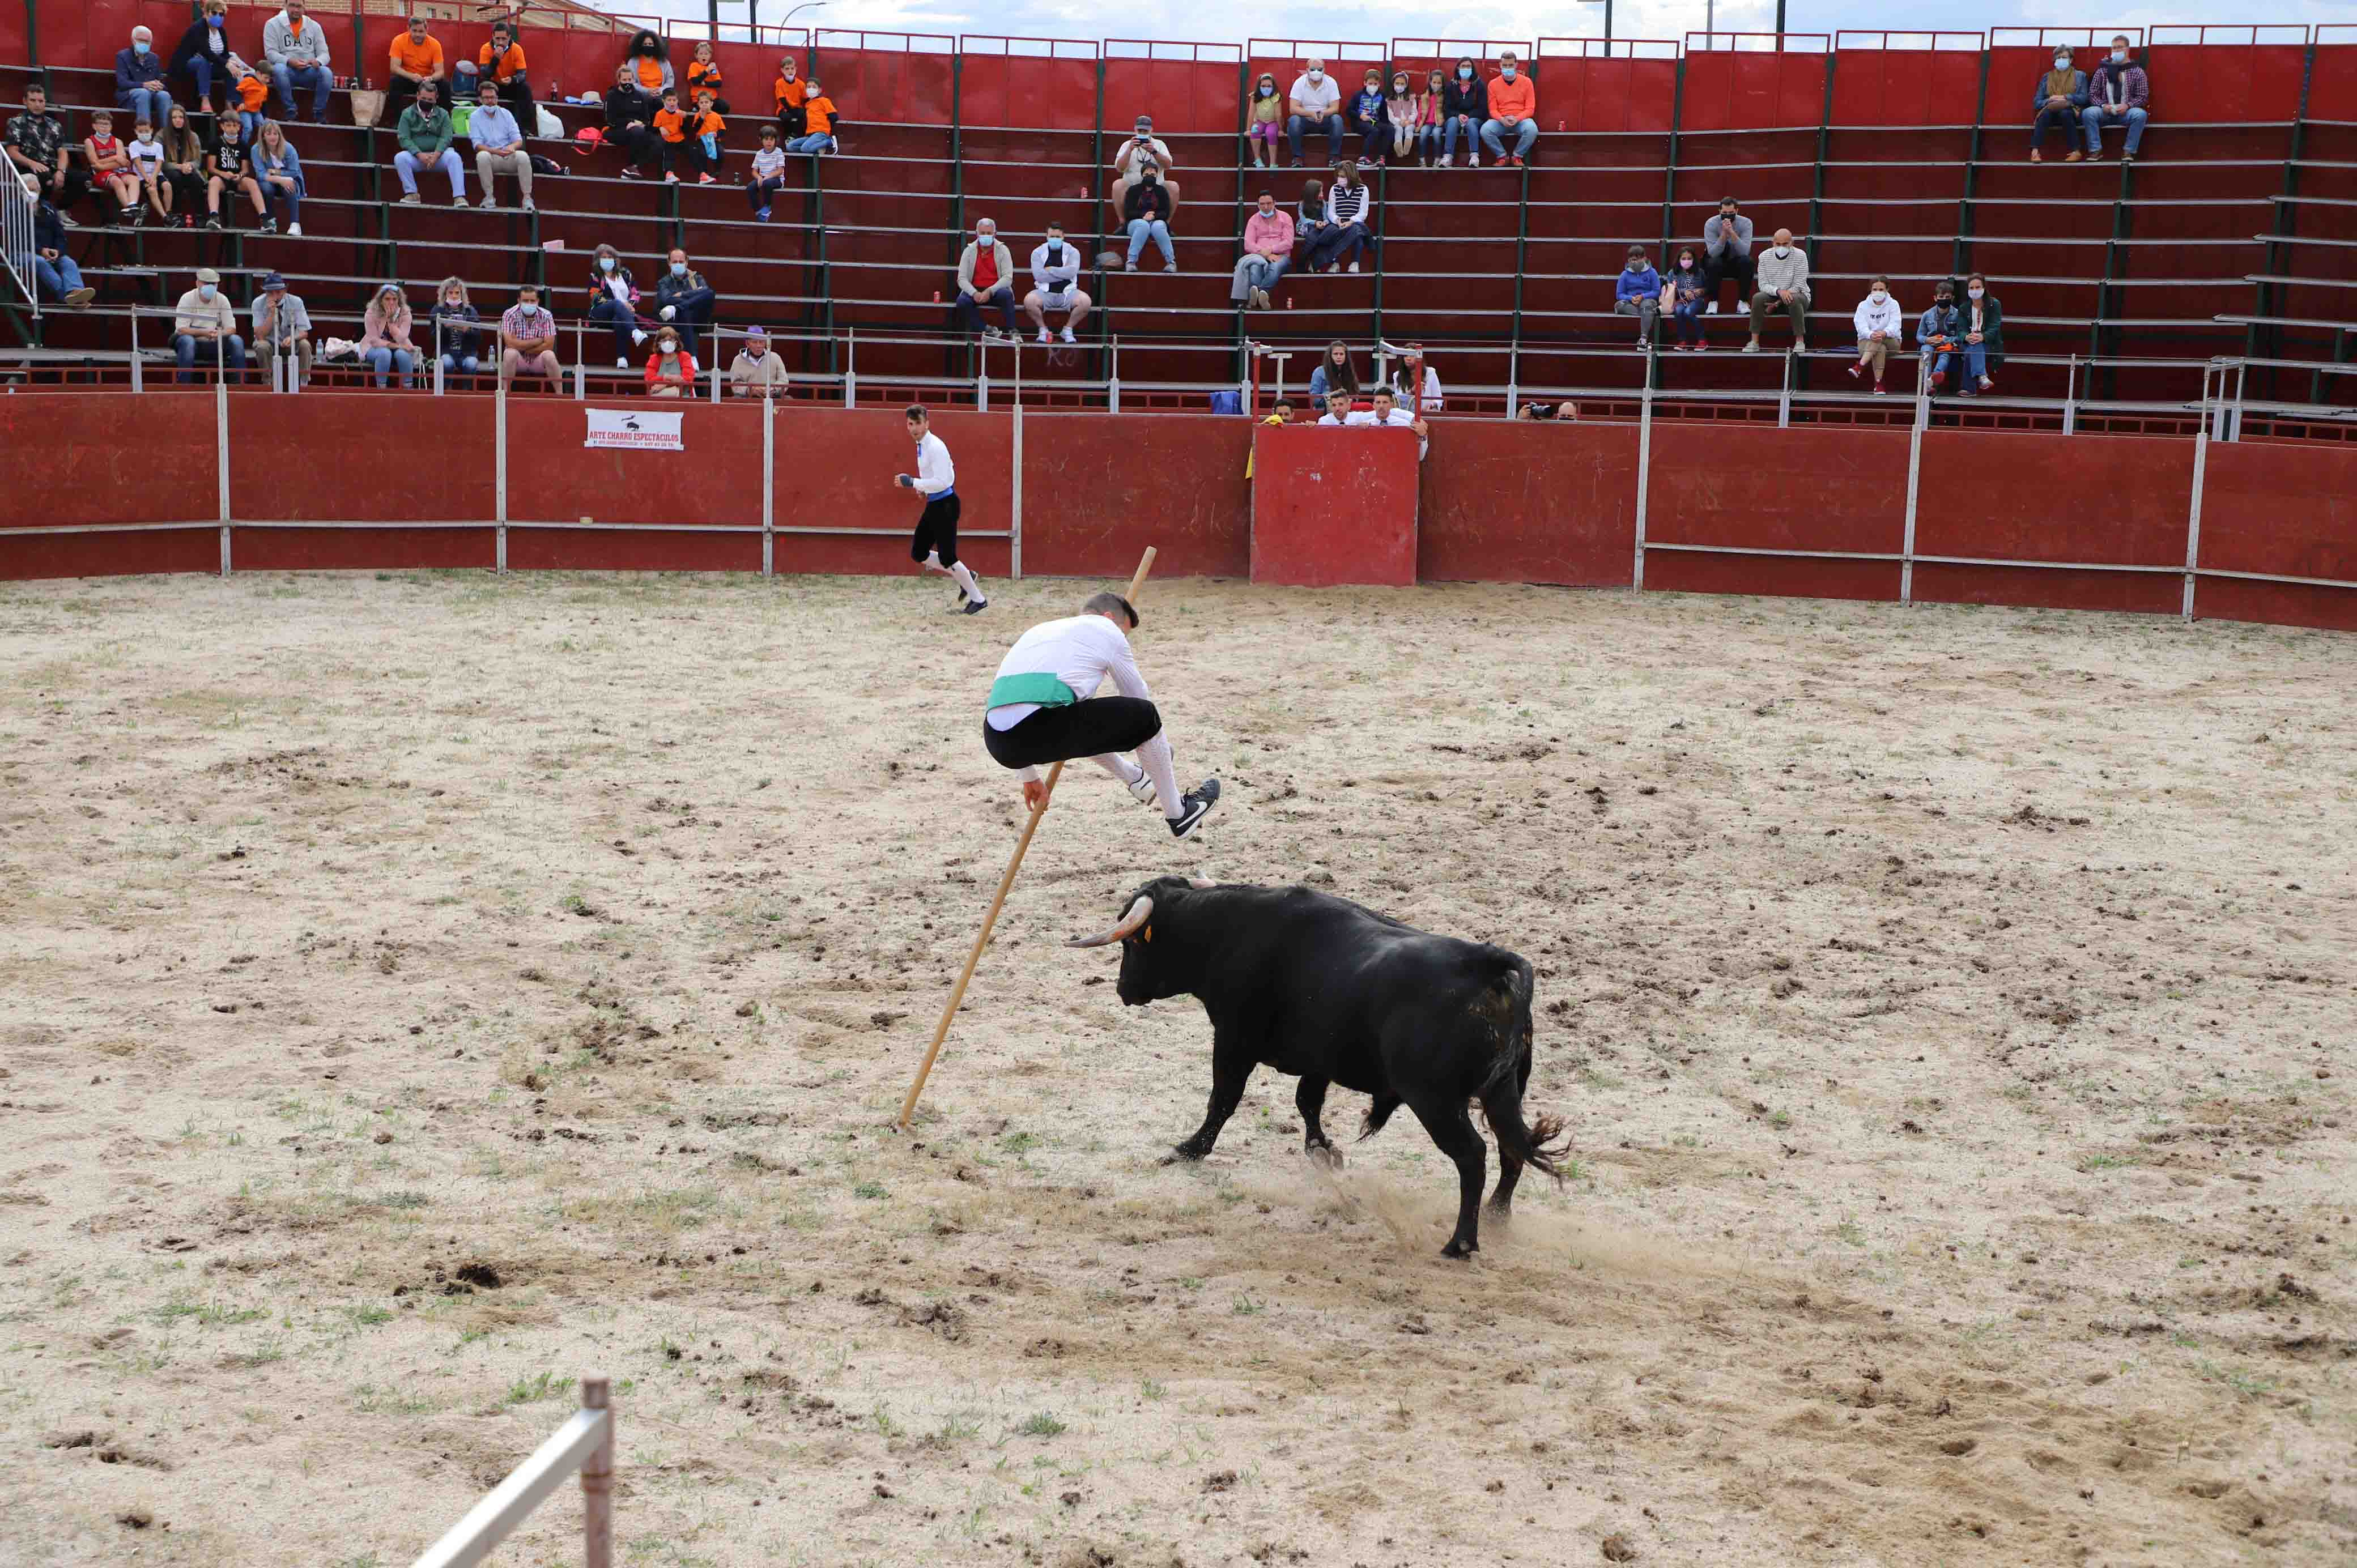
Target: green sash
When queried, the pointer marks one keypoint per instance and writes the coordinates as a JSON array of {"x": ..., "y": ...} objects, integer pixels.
[{"x": 1039, "y": 688}]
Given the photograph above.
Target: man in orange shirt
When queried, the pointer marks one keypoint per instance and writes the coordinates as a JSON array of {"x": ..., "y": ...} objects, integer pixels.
[
  {"x": 415, "y": 57},
  {"x": 1514, "y": 108},
  {"x": 500, "y": 62}
]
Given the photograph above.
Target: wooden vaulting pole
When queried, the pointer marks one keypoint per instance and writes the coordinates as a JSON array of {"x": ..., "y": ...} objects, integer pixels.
[{"x": 982, "y": 938}]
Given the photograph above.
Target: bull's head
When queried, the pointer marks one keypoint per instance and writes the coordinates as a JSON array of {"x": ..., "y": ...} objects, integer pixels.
[{"x": 1159, "y": 954}]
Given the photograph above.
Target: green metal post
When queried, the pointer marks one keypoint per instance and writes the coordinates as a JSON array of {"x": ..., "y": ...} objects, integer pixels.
[
  {"x": 1096, "y": 203},
  {"x": 1243, "y": 118},
  {"x": 1961, "y": 259},
  {"x": 957, "y": 189},
  {"x": 2286, "y": 226}
]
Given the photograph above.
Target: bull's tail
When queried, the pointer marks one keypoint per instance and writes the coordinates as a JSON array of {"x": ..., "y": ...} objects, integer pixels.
[{"x": 1541, "y": 1144}]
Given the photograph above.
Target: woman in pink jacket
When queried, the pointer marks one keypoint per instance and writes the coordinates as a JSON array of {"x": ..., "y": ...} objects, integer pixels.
[{"x": 1268, "y": 251}]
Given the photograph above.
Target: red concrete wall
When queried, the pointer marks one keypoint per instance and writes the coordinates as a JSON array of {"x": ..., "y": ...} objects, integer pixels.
[
  {"x": 1529, "y": 501},
  {"x": 2044, "y": 496},
  {"x": 1333, "y": 506},
  {"x": 1099, "y": 487}
]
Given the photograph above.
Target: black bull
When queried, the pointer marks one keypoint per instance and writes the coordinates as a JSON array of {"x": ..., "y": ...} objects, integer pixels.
[{"x": 1336, "y": 994}]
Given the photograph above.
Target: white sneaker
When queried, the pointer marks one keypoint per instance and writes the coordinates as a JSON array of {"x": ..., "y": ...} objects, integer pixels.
[
  {"x": 638, "y": 338},
  {"x": 411, "y": 199},
  {"x": 1448, "y": 160},
  {"x": 1043, "y": 335},
  {"x": 296, "y": 229},
  {"x": 1142, "y": 789},
  {"x": 668, "y": 311},
  {"x": 1711, "y": 309},
  {"x": 458, "y": 199},
  {"x": 621, "y": 364},
  {"x": 1066, "y": 336},
  {"x": 1353, "y": 267},
  {"x": 488, "y": 202},
  {"x": 528, "y": 206}
]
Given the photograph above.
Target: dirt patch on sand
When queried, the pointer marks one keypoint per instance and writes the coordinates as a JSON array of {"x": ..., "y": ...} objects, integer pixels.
[{"x": 420, "y": 991}]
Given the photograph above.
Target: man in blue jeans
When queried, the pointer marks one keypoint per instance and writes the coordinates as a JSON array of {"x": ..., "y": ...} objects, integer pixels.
[
  {"x": 54, "y": 271},
  {"x": 2117, "y": 93},
  {"x": 1315, "y": 103},
  {"x": 684, "y": 298},
  {"x": 296, "y": 51}
]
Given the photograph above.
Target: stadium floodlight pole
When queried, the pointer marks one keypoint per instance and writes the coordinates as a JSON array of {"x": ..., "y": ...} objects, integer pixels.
[
  {"x": 793, "y": 11},
  {"x": 981, "y": 938}
]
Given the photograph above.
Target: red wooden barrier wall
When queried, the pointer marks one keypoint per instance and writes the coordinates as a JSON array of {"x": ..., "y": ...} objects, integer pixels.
[{"x": 1817, "y": 512}]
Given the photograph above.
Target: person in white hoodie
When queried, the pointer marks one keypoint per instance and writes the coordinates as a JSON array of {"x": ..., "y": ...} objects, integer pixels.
[
  {"x": 1056, "y": 269},
  {"x": 1880, "y": 324}
]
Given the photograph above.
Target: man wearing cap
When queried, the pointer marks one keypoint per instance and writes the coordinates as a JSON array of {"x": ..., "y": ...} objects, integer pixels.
[
  {"x": 206, "y": 327},
  {"x": 1131, "y": 158},
  {"x": 757, "y": 368},
  {"x": 283, "y": 326}
]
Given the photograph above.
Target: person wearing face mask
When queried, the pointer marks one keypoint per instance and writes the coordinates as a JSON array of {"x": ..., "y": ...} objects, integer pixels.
[
  {"x": 1783, "y": 278},
  {"x": 1427, "y": 118},
  {"x": 671, "y": 372},
  {"x": 1981, "y": 323},
  {"x": 1147, "y": 215},
  {"x": 1685, "y": 289},
  {"x": 1268, "y": 251},
  {"x": 424, "y": 136},
  {"x": 1400, "y": 115},
  {"x": 139, "y": 81},
  {"x": 1129, "y": 162},
  {"x": 1935, "y": 335},
  {"x": 1726, "y": 252},
  {"x": 1514, "y": 106},
  {"x": 1266, "y": 123},
  {"x": 457, "y": 335},
  {"x": 282, "y": 330},
  {"x": 1464, "y": 109},
  {"x": 204, "y": 326},
  {"x": 985, "y": 275},
  {"x": 1637, "y": 291},
  {"x": 684, "y": 298},
  {"x": 1364, "y": 117},
  {"x": 2060, "y": 99},
  {"x": 614, "y": 300},
  {"x": 1056, "y": 269},
  {"x": 2116, "y": 94},
  {"x": 202, "y": 55},
  {"x": 1314, "y": 101},
  {"x": 1879, "y": 327}
]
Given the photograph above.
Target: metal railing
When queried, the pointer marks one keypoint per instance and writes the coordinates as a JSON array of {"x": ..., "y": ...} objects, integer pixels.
[
  {"x": 17, "y": 206},
  {"x": 585, "y": 1443}
]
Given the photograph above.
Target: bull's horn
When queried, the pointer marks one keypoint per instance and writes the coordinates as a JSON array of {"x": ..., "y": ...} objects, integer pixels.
[
  {"x": 1139, "y": 913},
  {"x": 1201, "y": 882}
]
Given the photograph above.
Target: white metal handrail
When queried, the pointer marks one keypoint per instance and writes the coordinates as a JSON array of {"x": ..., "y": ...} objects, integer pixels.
[
  {"x": 17, "y": 246},
  {"x": 585, "y": 1443}
]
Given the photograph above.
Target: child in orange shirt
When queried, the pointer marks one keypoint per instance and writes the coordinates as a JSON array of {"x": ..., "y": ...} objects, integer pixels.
[
  {"x": 704, "y": 128},
  {"x": 789, "y": 89},
  {"x": 251, "y": 93},
  {"x": 704, "y": 72},
  {"x": 671, "y": 137},
  {"x": 818, "y": 124}
]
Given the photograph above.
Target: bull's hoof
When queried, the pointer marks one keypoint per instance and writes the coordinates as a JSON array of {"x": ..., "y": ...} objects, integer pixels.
[
  {"x": 1326, "y": 1156},
  {"x": 1460, "y": 1249},
  {"x": 1184, "y": 1152}
]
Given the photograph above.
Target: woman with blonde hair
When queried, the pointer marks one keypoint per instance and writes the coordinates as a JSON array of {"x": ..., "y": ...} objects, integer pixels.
[
  {"x": 384, "y": 341},
  {"x": 456, "y": 339}
]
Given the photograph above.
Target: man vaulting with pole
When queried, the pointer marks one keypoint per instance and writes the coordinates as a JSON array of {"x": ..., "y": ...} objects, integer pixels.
[{"x": 1040, "y": 712}]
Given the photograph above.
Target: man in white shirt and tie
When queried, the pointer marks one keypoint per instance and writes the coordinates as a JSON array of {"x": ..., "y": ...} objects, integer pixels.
[{"x": 934, "y": 545}]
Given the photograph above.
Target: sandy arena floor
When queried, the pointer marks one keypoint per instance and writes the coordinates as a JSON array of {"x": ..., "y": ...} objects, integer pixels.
[{"x": 417, "y": 991}]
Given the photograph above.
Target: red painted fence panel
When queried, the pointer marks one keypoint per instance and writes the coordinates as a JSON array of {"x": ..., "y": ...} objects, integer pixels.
[
  {"x": 1098, "y": 487},
  {"x": 1529, "y": 501},
  {"x": 835, "y": 470},
  {"x": 170, "y": 443},
  {"x": 1878, "y": 88},
  {"x": 2286, "y": 510}
]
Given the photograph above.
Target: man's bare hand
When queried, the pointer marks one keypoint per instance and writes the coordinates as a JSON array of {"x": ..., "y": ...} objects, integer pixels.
[{"x": 1035, "y": 793}]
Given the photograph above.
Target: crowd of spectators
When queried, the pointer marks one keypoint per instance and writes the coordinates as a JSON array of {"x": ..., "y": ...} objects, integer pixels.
[{"x": 235, "y": 155}]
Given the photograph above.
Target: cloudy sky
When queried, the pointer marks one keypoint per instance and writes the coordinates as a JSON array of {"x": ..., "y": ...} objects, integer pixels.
[{"x": 1238, "y": 20}]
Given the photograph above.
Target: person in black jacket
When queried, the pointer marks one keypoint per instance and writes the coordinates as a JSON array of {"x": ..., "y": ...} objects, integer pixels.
[
  {"x": 630, "y": 120},
  {"x": 1464, "y": 104},
  {"x": 1147, "y": 212},
  {"x": 54, "y": 271},
  {"x": 1980, "y": 322},
  {"x": 202, "y": 55}
]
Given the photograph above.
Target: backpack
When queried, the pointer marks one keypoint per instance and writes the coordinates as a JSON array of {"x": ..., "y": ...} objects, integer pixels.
[
  {"x": 545, "y": 165},
  {"x": 1227, "y": 403}
]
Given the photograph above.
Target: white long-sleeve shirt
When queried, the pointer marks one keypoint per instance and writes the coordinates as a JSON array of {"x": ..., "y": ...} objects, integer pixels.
[
  {"x": 1080, "y": 651},
  {"x": 1873, "y": 318},
  {"x": 936, "y": 475},
  {"x": 1060, "y": 276}
]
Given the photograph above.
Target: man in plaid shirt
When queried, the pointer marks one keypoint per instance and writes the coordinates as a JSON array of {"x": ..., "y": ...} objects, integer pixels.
[{"x": 528, "y": 340}]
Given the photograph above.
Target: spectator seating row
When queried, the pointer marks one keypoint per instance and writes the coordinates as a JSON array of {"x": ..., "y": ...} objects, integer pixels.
[{"x": 2225, "y": 239}]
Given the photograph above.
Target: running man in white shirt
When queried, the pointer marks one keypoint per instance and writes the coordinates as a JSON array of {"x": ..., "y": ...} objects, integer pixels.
[
  {"x": 1041, "y": 711},
  {"x": 934, "y": 545}
]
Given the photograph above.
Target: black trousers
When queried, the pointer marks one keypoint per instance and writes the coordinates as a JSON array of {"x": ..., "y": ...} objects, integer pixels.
[
  {"x": 937, "y": 532},
  {"x": 1087, "y": 728},
  {"x": 1744, "y": 269}
]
